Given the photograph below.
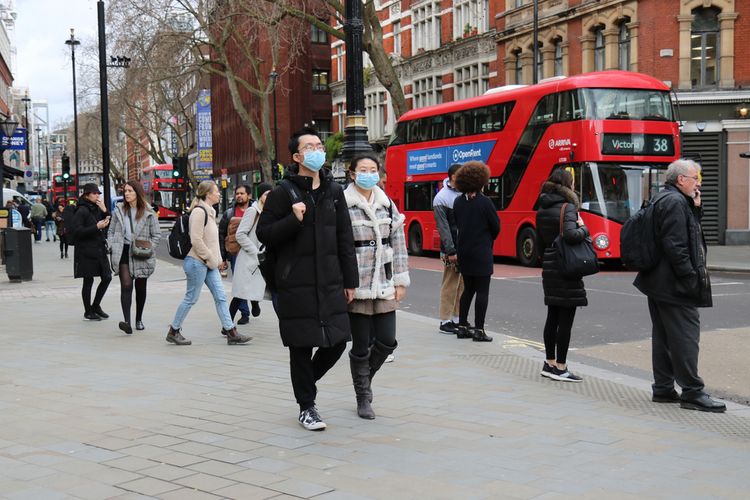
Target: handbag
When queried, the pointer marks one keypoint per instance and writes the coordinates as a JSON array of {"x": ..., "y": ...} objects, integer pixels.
[
  {"x": 575, "y": 260},
  {"x": 139, "y": 249}
]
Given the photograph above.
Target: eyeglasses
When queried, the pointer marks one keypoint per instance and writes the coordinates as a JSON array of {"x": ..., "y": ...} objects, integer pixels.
[
  {"x": 694, "y": 177},
  {"x": 311, "y": 147}
]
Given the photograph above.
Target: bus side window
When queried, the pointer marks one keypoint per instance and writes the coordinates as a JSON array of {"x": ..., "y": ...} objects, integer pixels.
[{"x": 545, "y": 110}]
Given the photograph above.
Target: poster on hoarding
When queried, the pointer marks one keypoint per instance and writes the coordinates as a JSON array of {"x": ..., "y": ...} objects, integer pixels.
[{"x": 203, "y": 130}]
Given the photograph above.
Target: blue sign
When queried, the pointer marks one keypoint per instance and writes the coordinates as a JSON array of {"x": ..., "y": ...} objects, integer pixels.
[
  {"x": 203, "y": 130},
  {"x": 437, "y": 160},
  {"x": 17, "y": 142}
]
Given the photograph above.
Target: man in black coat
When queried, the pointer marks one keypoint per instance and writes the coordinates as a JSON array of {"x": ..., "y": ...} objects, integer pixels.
[
  {"x": 676, "y": 287},
  {"x": 305, "y": 223},
  {"x": 90, "y": 260}
]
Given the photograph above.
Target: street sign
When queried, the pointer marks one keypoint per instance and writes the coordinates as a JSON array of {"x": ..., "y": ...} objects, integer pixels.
[{"x": 28, "y": 174}]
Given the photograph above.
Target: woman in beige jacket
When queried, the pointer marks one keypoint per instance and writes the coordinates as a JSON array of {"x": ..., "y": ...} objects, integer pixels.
[{"x": 202, "y": 265}]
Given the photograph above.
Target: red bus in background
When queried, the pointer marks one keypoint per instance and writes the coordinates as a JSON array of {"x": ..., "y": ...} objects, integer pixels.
[
  {"x": 165, "y": 193},
  {"x": 59, "y": 192},
  {"x": 614, "y": 130}
]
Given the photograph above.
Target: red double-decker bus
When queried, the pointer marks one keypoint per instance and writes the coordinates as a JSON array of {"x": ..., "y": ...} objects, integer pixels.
[
  {"x": 59, "y": 192},
  {"x": 614, "y": 130},
  {"x": 165, "y": 193}
]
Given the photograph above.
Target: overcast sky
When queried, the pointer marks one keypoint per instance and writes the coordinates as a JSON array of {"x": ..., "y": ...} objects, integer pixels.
[{"x": 43, "y": 59}]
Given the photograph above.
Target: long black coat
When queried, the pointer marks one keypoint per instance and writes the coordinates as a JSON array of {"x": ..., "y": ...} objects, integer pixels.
[
  {"x": 559, "y": 290},
  {"x": 478, "y": 226},
  {"x": 90, "y": 257},
  {"x": 681, "y": 276},
  {"x": 315, "y": 261}
]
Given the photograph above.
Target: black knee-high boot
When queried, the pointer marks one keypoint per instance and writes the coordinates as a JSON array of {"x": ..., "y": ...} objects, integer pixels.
[{"x": 360, "y": 367}]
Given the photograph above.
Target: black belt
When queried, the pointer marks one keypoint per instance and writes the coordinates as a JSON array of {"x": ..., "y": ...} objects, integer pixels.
[{"x": 371, "y": 243}]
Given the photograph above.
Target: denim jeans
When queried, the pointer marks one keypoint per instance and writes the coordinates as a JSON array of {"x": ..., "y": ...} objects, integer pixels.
[
  {"x": 38, "y": 224},
  {"x": 198, "y": 273},
  {"x": 50, "y": 228},
  {"x": 244, "y": 308}
]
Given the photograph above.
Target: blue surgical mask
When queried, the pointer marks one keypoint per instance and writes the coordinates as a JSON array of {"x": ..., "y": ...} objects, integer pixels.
[
  {"x": 314, "y": 160},
  {"x": 367, "y": 180}
]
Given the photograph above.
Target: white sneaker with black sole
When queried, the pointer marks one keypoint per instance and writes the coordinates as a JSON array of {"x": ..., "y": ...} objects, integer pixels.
[
  {"x": 310, "y": 420},
  {"x": 564, "y": 375}
]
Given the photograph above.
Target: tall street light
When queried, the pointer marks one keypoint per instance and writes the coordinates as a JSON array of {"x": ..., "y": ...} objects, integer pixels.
[
  {"x": 38, "y": 131},
  {"x": 8, "y": 127},
  {"x": 355, "y": 132},
  {"x": 26, "y": 100},
  {"x": 72, "y": 42},
  {"x": 275, "y": 162}
]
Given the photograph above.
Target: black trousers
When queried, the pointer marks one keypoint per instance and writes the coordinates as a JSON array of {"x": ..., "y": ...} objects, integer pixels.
[
  {"x": 479, "y": 285},
  {"x": 674, "y": 351},
  {"x": 367, "y": 328},
  {"x": 306, "y": 369},
  {"x": 557, "y": 332}
]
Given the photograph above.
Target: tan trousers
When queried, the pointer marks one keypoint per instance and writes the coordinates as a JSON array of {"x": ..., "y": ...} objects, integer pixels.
[{"x": 450, "y": 291}]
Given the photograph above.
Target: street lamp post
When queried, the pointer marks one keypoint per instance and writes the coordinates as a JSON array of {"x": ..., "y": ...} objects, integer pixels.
[
  {"x": 535, "y": 40},
  {"x": 355, "y": 132},
  {"x": 38, "y": 131},
  {"x": 72, "y": 42},
  {"x": 275, "y": 162},
  {"x": 26, "y": 100},
  {"x": 8, "y": 127}
]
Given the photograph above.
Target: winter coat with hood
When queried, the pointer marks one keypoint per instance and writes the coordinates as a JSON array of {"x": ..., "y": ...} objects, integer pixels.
[
  {"x": 247, "y": 282},
  {"x": 383, "y": 263},
  {"x": 315, "y": 260},
  {"x": 90, "y": 257},
  {"x": 680, "y": 277},
  {"x": 145, "y": 228},
  {"x": 559, "y": 290}
]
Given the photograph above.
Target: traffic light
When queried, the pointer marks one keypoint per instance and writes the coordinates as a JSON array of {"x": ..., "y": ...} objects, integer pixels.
[
  {"x": 179, "y": 167},
  {"x": 65, "y": 167}
]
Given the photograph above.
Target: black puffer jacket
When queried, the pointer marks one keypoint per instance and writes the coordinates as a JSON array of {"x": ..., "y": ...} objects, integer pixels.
[
  {"x": 315, "y": 261},
  {"x": 90, "y": 257},
  {"x": 681, "y": 276},
  {"x": 558, "y": 290}
]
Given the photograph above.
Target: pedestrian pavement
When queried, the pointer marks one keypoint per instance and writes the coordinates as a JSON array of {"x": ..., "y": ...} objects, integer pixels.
[
  {"x": 89, "y": 412},
  {"x": 733, "y": 258}
]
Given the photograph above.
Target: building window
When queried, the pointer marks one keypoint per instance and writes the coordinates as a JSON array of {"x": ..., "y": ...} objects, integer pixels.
[
  {"x": 397, "y": 38},
  {"x": 324, "y": 128},
  {"x": 341, "y": 116},
  {"x": 320, "y": 80},
  {"x": 340, "y": 63},
  {"x": 318, "y": 35},
  {"x": 704, "y": 48},
  {"x": 518, "y": 67},
  {"x": 426, "y": 26},
  {"x": 624, "y": 47},
  {"x": 376, "y": 109},
  {"x": 470, "y": 17},
  {"x": 539, "y": 64},
  {"x": 599, "y": 49},
  {"x": 471, "y": 81},
  {"x": 519, "y": 3},
  {"x": 428, "y": 91},
  {"x": 558, "y": 58}
]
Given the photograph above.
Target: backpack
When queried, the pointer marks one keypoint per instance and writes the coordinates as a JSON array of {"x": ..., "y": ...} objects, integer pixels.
[
  {"x": 69, "y": 215},
  {"x": 230, "y": 241},
  {"x": 639, "y": 247},
  {"x": 178, "y": 243}
]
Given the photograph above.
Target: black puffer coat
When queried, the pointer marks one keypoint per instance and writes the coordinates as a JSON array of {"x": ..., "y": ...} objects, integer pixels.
[
  {"x": 681, "y": 276},
  {"x": 90, "y": 257},
  {"x": 558, "y": 290},
  {"x": 315, "y": 261}
]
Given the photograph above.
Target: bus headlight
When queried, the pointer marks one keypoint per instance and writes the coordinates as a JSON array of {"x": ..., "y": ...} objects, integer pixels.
[{"x": 601, "y": 241}]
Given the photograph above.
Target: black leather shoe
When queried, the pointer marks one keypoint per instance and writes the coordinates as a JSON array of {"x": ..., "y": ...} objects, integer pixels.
[
  {"x": 139, "y": 325},
  {"x": 125, "y": 327},
  {"x": 704, "y": 402},
  {"x": 98, "y": 311},
  {"x": 243, "y": 320},
  {"x": 92, "y": 316},
  {"x": 672, "y": 397},
  {"x": 464, "y": 332},
  {"x": 255, "y": 310}
]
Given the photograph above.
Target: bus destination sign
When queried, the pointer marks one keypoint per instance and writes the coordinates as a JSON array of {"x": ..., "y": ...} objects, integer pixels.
[
  {"x": 437, "y": 160},
  {"x": 638, "y": 144}
]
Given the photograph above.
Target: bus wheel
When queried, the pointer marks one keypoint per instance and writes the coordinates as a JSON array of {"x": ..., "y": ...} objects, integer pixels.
[
  {"x": 415, "y": 239},
  {"x": 526, "y": 248}
]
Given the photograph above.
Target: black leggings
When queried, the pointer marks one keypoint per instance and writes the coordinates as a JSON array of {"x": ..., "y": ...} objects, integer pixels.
[
  {"x": 63, "y": 243},
  {"x": 366, "y": 328},
  {"x": 126, "y": 288},
  {"x": 557, "y": 332},
  {"x": 88, "y": 283},
  {"x": 479, "y": 285}
]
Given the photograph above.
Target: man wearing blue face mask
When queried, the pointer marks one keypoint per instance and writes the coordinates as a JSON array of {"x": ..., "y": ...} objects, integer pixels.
[{"x": 305, "y": 224}]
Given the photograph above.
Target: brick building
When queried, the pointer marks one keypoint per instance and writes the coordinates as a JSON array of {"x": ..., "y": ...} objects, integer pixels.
[{"x": 453, "y": 49}]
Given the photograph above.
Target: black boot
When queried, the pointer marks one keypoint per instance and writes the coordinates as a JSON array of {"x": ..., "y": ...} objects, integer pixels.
[
  {"x": 378, "y": 353},
  {"x": 361, "y": 379}
]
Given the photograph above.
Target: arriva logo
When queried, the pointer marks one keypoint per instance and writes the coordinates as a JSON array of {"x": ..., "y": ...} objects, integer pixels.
[
  {"x": 464, "y": 155},
  {"x": 559, "y": 143}
]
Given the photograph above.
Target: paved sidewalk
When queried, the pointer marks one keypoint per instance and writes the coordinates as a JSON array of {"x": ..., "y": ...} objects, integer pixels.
[
  {"x": 735, "y": 258},
  {"x": 88, "y": 412}
]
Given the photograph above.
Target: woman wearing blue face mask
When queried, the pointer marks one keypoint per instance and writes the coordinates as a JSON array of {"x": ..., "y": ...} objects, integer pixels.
[{"x": 383, "y": 276}]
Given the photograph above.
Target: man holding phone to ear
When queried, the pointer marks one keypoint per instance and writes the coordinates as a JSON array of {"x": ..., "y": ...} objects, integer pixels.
[{"x": 89, "y": 233}]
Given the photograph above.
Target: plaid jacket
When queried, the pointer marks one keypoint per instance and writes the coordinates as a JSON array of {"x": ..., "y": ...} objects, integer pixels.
[{"x": 370, "y": 223}]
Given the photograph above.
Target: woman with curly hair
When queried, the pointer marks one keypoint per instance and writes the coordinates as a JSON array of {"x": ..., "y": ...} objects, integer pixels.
[{"x": 478, "y": 226}]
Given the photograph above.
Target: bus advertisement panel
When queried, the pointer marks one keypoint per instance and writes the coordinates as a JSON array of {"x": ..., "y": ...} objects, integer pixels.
[
  {"x": 165, "y": 193},
  {"x": 614, "y": 130}
]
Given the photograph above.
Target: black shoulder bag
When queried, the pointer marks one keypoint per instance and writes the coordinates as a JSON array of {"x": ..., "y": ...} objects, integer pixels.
[{"x": 575, "y": 260}]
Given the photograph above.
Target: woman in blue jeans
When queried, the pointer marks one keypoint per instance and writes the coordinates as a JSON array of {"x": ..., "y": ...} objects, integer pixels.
[{"x": 202, "y": 265}]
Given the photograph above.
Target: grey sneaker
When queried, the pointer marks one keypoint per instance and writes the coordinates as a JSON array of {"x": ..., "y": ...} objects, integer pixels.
[
  {"x": 310, "y": 420},
  {"x": 564, "y": 375}
]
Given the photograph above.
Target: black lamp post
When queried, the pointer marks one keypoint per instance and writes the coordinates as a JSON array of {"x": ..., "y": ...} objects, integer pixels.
[
  {"x": 72, "y": 42},
  {"x": 26, "y": 100},
  {"x": 355, "y": 132},
  {"x": 535, "y": 36},
  {"x": 38, "y": 131},
  {"x": 8, "y": 127},
  {"x": 275, "y": 162}
]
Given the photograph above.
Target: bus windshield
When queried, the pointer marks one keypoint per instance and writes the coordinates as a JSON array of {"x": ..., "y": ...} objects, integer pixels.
[
  {"x": 617, "y": 191},
  {"x": 625, "y": 104}
]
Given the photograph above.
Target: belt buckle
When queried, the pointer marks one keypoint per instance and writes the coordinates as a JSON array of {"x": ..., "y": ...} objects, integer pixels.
[{"x": 372, "y": 243}]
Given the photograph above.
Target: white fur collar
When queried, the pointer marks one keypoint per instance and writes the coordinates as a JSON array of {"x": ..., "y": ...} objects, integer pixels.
[{"x": 355, "y": 199}]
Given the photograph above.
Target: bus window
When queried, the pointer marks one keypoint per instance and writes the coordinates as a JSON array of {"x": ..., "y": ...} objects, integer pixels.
[
  {"x": 399, "y": 136},
  {"x": 626, "y": 104},
  {"x": 493, "y": 191},
  {"x": 419, "y": 195},
  {"x": 544, "y": 114}
]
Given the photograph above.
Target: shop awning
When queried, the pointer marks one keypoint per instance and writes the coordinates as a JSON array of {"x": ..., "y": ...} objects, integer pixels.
[{"x": 10, "y": 172}]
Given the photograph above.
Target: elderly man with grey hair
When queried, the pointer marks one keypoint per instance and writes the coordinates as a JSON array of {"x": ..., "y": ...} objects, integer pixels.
[{"x": 676, "y": 288}]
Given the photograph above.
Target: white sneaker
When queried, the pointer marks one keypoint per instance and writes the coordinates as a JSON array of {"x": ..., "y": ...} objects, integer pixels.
[
  {"x": 310, "y": 420},
  {"x": 390, "y": 358}
]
